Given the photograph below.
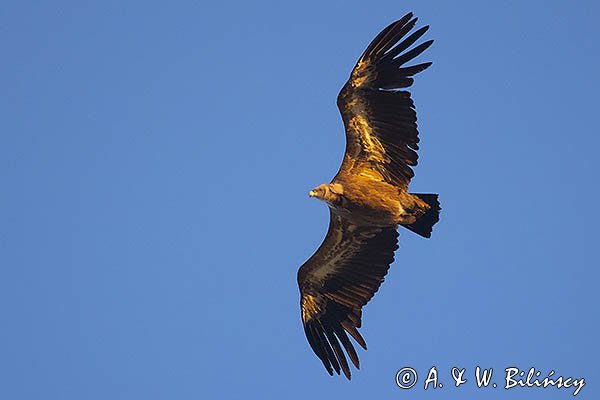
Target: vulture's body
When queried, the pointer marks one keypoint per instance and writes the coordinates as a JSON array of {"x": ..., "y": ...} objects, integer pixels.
[{"x": 368, "y": 198}]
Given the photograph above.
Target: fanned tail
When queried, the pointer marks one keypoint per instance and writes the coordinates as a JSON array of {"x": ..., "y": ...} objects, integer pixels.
[{"x": 424, "y": 225}]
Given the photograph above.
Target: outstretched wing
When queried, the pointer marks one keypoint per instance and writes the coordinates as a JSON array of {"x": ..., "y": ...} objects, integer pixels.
[
  {"x": 380, "y": 120},
  {"x": 336, "y": 282}
]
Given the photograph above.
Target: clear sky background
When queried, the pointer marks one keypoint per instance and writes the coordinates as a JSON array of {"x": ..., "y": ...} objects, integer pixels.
[{"x": 155, "y": 160}]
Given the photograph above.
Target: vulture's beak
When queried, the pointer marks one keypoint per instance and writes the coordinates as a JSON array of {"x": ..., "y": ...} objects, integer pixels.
[{"x": 311, "y": 193}]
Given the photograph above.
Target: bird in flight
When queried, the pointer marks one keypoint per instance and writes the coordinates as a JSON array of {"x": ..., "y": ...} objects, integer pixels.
[{"x": 368, "y": 198}]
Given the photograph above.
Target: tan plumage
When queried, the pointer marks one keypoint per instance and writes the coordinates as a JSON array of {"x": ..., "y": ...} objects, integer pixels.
[{"x": 368, "y": 198}]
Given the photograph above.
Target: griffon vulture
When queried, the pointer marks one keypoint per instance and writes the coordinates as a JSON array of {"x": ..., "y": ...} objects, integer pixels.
[{"x": 368, "y": 198}]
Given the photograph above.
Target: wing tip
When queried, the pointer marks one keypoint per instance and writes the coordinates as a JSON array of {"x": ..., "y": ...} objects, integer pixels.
[
  {"x": 327, "y": 338},
  {"x": 388, "y": 51}
]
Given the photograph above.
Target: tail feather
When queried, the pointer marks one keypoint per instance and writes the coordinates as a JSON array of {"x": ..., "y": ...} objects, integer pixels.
[{"x": 424, "y": 224}]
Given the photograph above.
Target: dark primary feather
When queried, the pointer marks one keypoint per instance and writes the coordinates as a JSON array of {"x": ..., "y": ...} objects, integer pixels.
[
  {"x": 336, "y": 282},
  {"x": 380, "y": 120}
]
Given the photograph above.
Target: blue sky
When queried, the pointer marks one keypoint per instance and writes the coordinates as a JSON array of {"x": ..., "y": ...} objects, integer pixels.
[{"x": 155, "y": 161}]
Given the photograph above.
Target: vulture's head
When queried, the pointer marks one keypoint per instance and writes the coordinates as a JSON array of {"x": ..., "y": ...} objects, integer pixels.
[{"x": 329, "y": 193}]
